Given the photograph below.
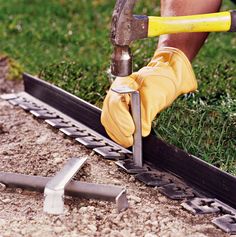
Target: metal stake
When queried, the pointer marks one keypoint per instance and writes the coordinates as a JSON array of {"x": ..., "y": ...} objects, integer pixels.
[
  {"x": 79, "y": 189},
  {"x": 55, "y": 188},
  {"x": 136, "y": 114}
]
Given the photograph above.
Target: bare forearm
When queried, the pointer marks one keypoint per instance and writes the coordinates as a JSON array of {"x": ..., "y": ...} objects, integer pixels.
[{"x": 189, "y": 43}]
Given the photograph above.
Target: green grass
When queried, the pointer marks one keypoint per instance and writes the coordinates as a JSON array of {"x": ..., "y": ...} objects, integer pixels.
[{"x": 67, "y": 43}]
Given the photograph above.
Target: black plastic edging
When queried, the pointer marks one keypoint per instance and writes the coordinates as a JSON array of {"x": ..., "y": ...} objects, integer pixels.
[
  {"x": 65, "y": 102},
  {"x": 193, "y": 170}
]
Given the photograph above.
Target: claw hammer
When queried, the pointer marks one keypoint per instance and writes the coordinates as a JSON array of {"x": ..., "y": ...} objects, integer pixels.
[{"x": 126, "y": 28}]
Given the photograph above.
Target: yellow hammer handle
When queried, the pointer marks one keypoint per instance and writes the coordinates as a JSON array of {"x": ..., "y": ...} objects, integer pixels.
[{"x": 214, "y": 22}]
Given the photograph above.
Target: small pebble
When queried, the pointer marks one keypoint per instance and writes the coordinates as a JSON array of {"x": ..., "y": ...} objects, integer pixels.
[
  {"x": 116, "y": 233},
  {"x": 75, "y": 210},
  {"x": 2, "y": 187},
  {"x": 23, "y": 232},
  {"x": 116, "y": 181},
  {"x": 6, "y": 201},
  {"x": 125, "y": 232},
  {"x": 93, "y": 228},
  {"x": 58, "y": 229},
  {"x": 2, "y": 222},
  {"x": 83, "y": 210},
  {"x": 148, "y": 210},
  {"x": 19, "y": 190},
  {"x": 162, "y": 199},
  {"x": 135, "y": 198},
  {"x": 5, "y": 153},
  {"x": 58, "y": 160},
  {"x": 105, "y": 231},
  {"x": 90, "y": 208},
  {"x": 131, "y": 179},
  {"x": 27, "y": 210},
  {"x": 42, "y": 139}
]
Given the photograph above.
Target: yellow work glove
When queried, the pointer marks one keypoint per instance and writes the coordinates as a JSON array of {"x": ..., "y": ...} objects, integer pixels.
[{"x": 168, "y": 75}]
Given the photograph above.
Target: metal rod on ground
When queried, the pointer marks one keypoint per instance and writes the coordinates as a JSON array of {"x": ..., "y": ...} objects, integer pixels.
[
  {"x": 54, "y": 190},
  {"x": 79, "y": 189}
]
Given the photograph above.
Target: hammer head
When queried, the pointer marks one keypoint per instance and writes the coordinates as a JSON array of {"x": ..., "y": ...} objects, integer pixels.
[{"x": 125, "y": 28}]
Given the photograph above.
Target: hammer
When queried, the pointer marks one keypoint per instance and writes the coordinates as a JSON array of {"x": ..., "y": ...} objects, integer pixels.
[{"x": 126, "y": 28}]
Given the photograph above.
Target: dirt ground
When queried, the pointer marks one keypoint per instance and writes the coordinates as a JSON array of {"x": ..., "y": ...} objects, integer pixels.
[{"x": 29, "y": 146}]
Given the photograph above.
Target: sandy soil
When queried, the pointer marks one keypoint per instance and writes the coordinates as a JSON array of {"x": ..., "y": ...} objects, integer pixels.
[{"x": 29, "y": 146}]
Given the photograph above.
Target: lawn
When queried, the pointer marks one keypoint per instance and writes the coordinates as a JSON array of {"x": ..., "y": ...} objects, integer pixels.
[{"x": 67, "y": 43}]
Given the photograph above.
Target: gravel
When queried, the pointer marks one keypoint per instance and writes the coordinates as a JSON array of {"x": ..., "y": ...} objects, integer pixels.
[{"x": 29, "y": 146}]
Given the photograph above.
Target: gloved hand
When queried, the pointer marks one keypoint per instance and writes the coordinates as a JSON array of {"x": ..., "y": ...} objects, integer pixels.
[{"x": 168, "y": 75}]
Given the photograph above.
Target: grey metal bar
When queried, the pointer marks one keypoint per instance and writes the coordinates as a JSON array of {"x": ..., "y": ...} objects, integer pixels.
[
  {"x": 136, "y": 114},
  {"x": 54, "y": 190},
  {"x": 79, "y": 189}
]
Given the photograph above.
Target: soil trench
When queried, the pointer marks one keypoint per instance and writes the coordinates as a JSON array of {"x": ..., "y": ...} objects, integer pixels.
[{"x": 30, "y": 146}]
